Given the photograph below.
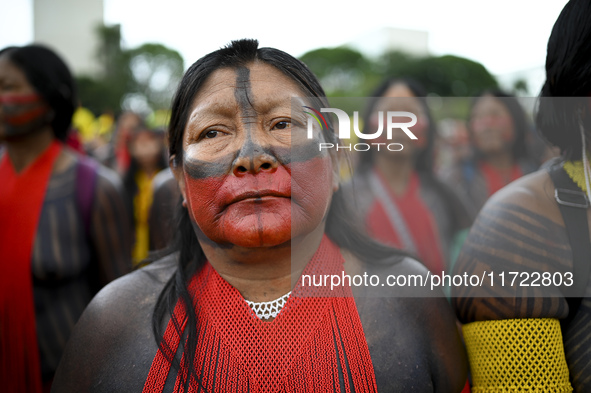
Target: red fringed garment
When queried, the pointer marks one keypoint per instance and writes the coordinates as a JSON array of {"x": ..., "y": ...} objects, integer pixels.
[{"x": 315, "y": 344}]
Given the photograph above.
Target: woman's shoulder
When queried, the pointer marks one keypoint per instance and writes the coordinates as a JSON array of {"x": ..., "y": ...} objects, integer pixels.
[
  {"x": 90, "y": 172},
  {"x": 534, "y": 192},
  {"x": 138, "y": 284},
  {"x": 112, "y": 346},
  {"x": 519, "y": 235},
  {"x": 409, "y": 325}
]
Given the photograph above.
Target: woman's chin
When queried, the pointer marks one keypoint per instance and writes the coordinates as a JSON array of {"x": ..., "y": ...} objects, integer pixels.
[
  {"x": 259, "y": 230},
  {"x": 261, "y": 239}
]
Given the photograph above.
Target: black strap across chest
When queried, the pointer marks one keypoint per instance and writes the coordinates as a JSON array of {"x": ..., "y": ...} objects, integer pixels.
[{"x": 573, "y": 204}]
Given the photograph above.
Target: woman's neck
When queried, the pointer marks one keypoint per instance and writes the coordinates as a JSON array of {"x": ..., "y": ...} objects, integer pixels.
[
  {"x": 266, "y": 273},
  {"x": 502, "y": 161},
  {"x": 396, "y": 172},
  {"x": 24, "y": 150}
]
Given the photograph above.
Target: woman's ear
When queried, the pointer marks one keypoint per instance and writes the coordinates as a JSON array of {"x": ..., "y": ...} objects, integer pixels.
[{"x": 179, "y": 175}]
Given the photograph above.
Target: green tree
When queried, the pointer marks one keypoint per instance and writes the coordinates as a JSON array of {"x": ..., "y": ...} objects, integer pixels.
[
  {"x": 346, "y": 72},
  {"x": 156, "y": 72},
  {"x": 342, "y": 71},
  {"x": 520, "y": 87},
  {"x": 446, "y": 76},
  {"x": 141, "y": 79}
]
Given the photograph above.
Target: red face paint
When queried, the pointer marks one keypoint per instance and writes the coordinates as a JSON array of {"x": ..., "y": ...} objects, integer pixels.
[
  {"x": 261, "y": 209},
  {"x": 22, "y": 114}
]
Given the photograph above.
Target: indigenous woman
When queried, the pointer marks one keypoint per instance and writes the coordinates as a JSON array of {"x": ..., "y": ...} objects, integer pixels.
[
  {"x": 534, "y": 332},
  {"x": 147, "y": 158},
  {"x": 497, "y": 127},
  {"x": 63, "y": 225},
  {"x": 402, "y": 202},
  {"x": 231, "y": 310}
]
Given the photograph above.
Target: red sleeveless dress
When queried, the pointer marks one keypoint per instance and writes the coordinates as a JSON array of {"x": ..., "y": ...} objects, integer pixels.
[{"x": 315, "y": 344}]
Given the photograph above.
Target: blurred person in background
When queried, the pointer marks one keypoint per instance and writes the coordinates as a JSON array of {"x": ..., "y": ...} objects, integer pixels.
[
  {"x": 119, "y": 157},
  {"x": 162, "y": 212},
  {"x": 147, "y": 158},
  {"x": 535, "y": 334},
  {"x": 498, "y": 128},
  {"x": 402, "y": 202},
  {"x": 63, "y": 227}
]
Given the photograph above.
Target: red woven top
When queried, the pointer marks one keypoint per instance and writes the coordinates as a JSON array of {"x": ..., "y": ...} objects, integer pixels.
[{"x": 316, "y": 343}]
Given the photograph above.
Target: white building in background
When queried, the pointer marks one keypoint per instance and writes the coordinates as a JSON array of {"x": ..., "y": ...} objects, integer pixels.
[
  {"x": 69, "y": 27},
  {"x": 385, "y": 39}
]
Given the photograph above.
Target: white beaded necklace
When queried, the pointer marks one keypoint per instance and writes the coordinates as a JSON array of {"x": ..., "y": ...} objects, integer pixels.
[{"x": 266, "y": 310}]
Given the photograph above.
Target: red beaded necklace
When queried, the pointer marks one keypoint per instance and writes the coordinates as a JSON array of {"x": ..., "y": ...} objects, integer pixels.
[{"x": 316, "y": 343}]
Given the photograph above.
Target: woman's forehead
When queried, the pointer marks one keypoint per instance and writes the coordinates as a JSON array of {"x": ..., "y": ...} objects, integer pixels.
[
  {"x": 10, "y": 70},
  {"x": 257, "y": 85},
  {"x": 489, "y": 102}
]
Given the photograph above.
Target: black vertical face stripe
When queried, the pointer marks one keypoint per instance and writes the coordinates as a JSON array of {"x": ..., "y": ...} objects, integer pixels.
[{"x": 243, "y": 95}]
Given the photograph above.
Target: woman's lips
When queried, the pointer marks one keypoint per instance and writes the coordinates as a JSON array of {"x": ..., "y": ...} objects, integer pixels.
[{"x": 260, "y": 194}]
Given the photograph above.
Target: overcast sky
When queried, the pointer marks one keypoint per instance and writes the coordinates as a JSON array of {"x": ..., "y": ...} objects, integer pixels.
[{"x": 504, "y": 35}]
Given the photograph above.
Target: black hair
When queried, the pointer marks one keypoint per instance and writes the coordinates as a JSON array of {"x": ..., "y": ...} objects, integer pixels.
[
  {"x": 424, "y": 160},
  {"x": 568, "y": 74},
  {"x": 51, "y": 78},
  {"x": 339, "y": 228},
  {"x": 521, "y": 125}
]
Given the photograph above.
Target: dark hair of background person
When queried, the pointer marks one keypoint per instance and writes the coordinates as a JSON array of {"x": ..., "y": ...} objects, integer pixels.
[
  {"x": 51, "y": 79},
  {"x": 521, "y": 125},
  {"x": 568, "y": 74},
  {"x": 424, "y": 163},
  {"x": 339, "y": 228}
]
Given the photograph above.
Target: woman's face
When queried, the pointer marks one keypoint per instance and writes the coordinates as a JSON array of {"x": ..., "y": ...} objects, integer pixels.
[
  {"x": 22, "y": 110},
  {"x": 146, "y": 147},
  {"x": 399, "y": 97},
  {"x": 492, "y": 127},
  {"x": 249, "y": 174}
]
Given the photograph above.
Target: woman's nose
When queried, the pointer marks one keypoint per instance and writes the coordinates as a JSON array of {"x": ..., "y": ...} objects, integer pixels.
[{"x": 253, "y": 159}]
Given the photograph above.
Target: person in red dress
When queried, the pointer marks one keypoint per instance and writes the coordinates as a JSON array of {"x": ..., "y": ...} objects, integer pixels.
[
  {"x": 401, "y": 201},
  {"x": 64, "y": 229}
]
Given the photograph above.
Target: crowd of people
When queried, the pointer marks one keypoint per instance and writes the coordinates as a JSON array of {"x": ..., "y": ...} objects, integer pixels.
[{"x": 174, "y": 259}]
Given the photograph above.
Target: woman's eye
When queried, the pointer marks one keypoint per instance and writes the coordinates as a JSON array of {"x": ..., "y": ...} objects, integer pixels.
[
  {"x": 211, "y": 134},
  {"x": 282, "y": 125}
]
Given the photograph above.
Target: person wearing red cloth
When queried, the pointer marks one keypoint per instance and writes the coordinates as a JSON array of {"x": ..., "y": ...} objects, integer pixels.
[
  {"x": 402, "y": 202},
  {"x": 498, "y": 130},
  {"x": 63, "y": 226},
  {"x": 229, "y": 309}
]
